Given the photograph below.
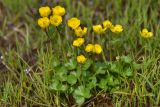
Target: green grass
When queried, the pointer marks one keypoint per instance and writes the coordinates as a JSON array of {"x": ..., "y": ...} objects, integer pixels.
[{"x": 23, "y": 47}]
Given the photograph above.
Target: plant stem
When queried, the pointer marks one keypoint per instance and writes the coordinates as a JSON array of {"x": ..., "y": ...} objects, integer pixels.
[
  {"x": 110, "y": 49},
  {"x": 57, "y": 100},
  {"x": 103, "y": 54},
  {"x": 46, "y": 31},
  {"x": 60, "y": 43},
  {"x": 92, "y": 55}
]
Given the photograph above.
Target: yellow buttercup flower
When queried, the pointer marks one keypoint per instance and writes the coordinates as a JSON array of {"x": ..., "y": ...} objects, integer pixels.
[
  {"x": 145, "y": 34},
  {"x": 58, "y": 10},
  {"x": 81, "y": 59},
  {"x": 150, "y": 34},
  {"x": 78, "y": 42},
  {"x": 43, "y": 22},
  {"x": 117, "y": 29},
  {"x": 98, "y": 29},
  {"x": 107, "y": 24},
  {"x": 74, "y": 23},
  {"x": 89, "y": 48},
  {"x": 56, "y": 20},
  {"x": 44, "y": 11},
  {"x": 97, "y": 49},
  {"x": 80, "y": 32}
]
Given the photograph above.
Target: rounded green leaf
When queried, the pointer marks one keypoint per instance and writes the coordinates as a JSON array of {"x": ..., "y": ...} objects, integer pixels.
[
  {"x": 87, "y": 64},
  {"x": 71, "y": 79}
]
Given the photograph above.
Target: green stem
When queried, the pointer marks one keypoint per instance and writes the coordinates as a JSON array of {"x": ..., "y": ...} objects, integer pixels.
[
  {"x": 92, "y": 55},
  {"x": 61, "y": 44},
  {"x": 46, "y": 31},
  {"x": 92, "y": 38},
  {"x": 57, "y": 100},
  {"x": 110, "y": 49},
  {"x": 103, "y": 54},
  {"x": 81, "y": 79}
]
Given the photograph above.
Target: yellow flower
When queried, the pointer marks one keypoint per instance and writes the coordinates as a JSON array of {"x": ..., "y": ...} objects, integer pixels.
[
  {"x": 107, "y": 24},
  {"x": 56, "y": 20},
  {"x": 145, "y": 34},
  {"x": 58, "y": 10},
  {"x": 81, "y": 59},
  {"x": 44, "y": 11},
  {"x": 117, "y": 29},
  {"x": 89, "y": 48},
  {"x": 78, "y": 42},
  {"x": 80, "y": 32},
  {"x": 98, "y": 29},
  {"x": 43, "y": 22},
  {"x": 150, "y": 34},
  {"x": 97, "y": 49},
  {"x": 74, "y": 23}
]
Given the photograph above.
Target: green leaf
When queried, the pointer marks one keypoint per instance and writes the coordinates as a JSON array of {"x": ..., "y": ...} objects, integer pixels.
[
  {"x": 115, "y": 89},
  {"x": 79, "y": 100},
  {"x": 110, "y": 80},
  {"x": 128, "y": 72},
  {"x": 116, "y": 82},
  {"x": 54, "y": 85},
  {"x": 100, "y": 68},
  {"x": 57, "y": 86},
  {"x": 56, "y": 62},
  {"x": 61, "y": 28},
  {"x": 92, "y": 82},
  {"x": 61, "y": 73},
  {"x": 114, "y": 68},
  {"x": 116, "y": 41},
  {"x": 61, "y": 69},
  {"x": 126, "y": 59},
  {"x": 63, "y": 88},
  {"x": 71, "y": 79},
  {"x": 71, "y": 89},
  {"x": 87, "y": 64},
  {"x": 71, "y": 65},
  {"x": 78, "y": 72},
  {"x": 136, "y": 66},
  {"x": 51, "y": 31},
  {"x": 82, "y": 91},
  {"x": 103, "y": 84}
]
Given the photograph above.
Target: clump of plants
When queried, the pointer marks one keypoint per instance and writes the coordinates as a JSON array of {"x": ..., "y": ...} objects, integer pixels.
[{"x": 87, "y": 68}]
